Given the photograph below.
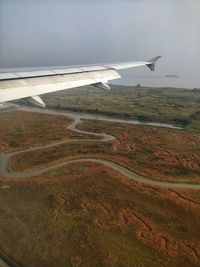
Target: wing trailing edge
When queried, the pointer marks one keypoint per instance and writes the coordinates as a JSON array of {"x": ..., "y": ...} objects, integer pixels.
[{"x": 31, "y": 84}]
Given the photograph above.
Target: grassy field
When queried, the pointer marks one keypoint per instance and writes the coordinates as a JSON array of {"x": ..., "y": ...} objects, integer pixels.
[
  {"x": 178, "y": 106},
  {"x": 158, "y": 153},
  {"x": 88, "y": 215},
  {"x": 24, "y": 129}
]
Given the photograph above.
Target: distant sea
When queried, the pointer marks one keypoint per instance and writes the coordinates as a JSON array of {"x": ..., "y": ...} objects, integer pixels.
[{"x": 180, "y": 82}]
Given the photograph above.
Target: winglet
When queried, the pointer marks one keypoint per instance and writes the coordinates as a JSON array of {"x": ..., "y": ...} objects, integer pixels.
[{"x": 151, "y": 63}]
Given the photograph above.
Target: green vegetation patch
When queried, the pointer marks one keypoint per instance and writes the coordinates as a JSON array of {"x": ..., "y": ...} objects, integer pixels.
[{"x": 172, "y": 105}]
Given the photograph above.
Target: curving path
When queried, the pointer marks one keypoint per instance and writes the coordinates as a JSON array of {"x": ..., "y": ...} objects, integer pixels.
[{"x": 5, "y": 158}]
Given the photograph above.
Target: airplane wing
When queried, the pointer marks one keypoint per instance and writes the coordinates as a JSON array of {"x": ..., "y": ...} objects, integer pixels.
[{"x": 30, "y": 84}]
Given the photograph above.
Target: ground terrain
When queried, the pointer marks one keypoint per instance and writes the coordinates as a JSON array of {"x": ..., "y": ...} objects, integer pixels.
[
  {"x": 88, "y": 214},
  {"x": 22, "y": 130},
  {"x": 178, "y": 106},
  {"x": 155, "y": 152}
]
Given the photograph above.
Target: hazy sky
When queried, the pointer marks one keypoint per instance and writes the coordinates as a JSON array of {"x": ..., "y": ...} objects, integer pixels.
[{"x": 69, "y": 32}]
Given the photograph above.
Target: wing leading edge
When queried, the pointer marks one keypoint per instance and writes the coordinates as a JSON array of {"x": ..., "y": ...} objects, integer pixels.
[{"x": 29, "y": 85}]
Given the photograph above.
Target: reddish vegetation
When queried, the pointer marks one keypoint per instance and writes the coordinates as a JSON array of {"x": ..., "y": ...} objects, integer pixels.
[
  {"x": 158, "y": 153},
  {"x": 21, "y": 129},
  {"x": 146, "y": 231},
  {"x": 79, "y": 211},
  {"x": 117, "y": 204}
]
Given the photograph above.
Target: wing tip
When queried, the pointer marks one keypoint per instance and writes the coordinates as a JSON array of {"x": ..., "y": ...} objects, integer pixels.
[{"x": 151, "y": 62}]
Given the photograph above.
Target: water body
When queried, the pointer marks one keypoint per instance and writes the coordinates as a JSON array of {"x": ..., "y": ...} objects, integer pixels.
[{"x": 149, "y": 81}]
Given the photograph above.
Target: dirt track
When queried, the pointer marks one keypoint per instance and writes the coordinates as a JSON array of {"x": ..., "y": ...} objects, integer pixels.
[{"x": 5, "y": 158}]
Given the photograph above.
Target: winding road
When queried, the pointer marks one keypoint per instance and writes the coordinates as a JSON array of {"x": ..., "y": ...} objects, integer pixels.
[{"x": 5, "y": 158}]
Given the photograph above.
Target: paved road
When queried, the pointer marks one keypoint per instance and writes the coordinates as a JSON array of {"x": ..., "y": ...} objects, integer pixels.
[{"x": 5, "y": 158}]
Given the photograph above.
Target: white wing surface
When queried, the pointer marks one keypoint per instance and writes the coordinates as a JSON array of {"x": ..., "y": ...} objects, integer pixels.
[{"x": 31, "y": 84}]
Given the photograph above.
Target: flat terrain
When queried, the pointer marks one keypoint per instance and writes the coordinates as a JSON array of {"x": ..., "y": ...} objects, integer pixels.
[
  {"x": 179, "y": 106},
  {"x": 22, "y": 130},
  {"x": 88, "y": 214},
  {"x": 157, "y": 153}
]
